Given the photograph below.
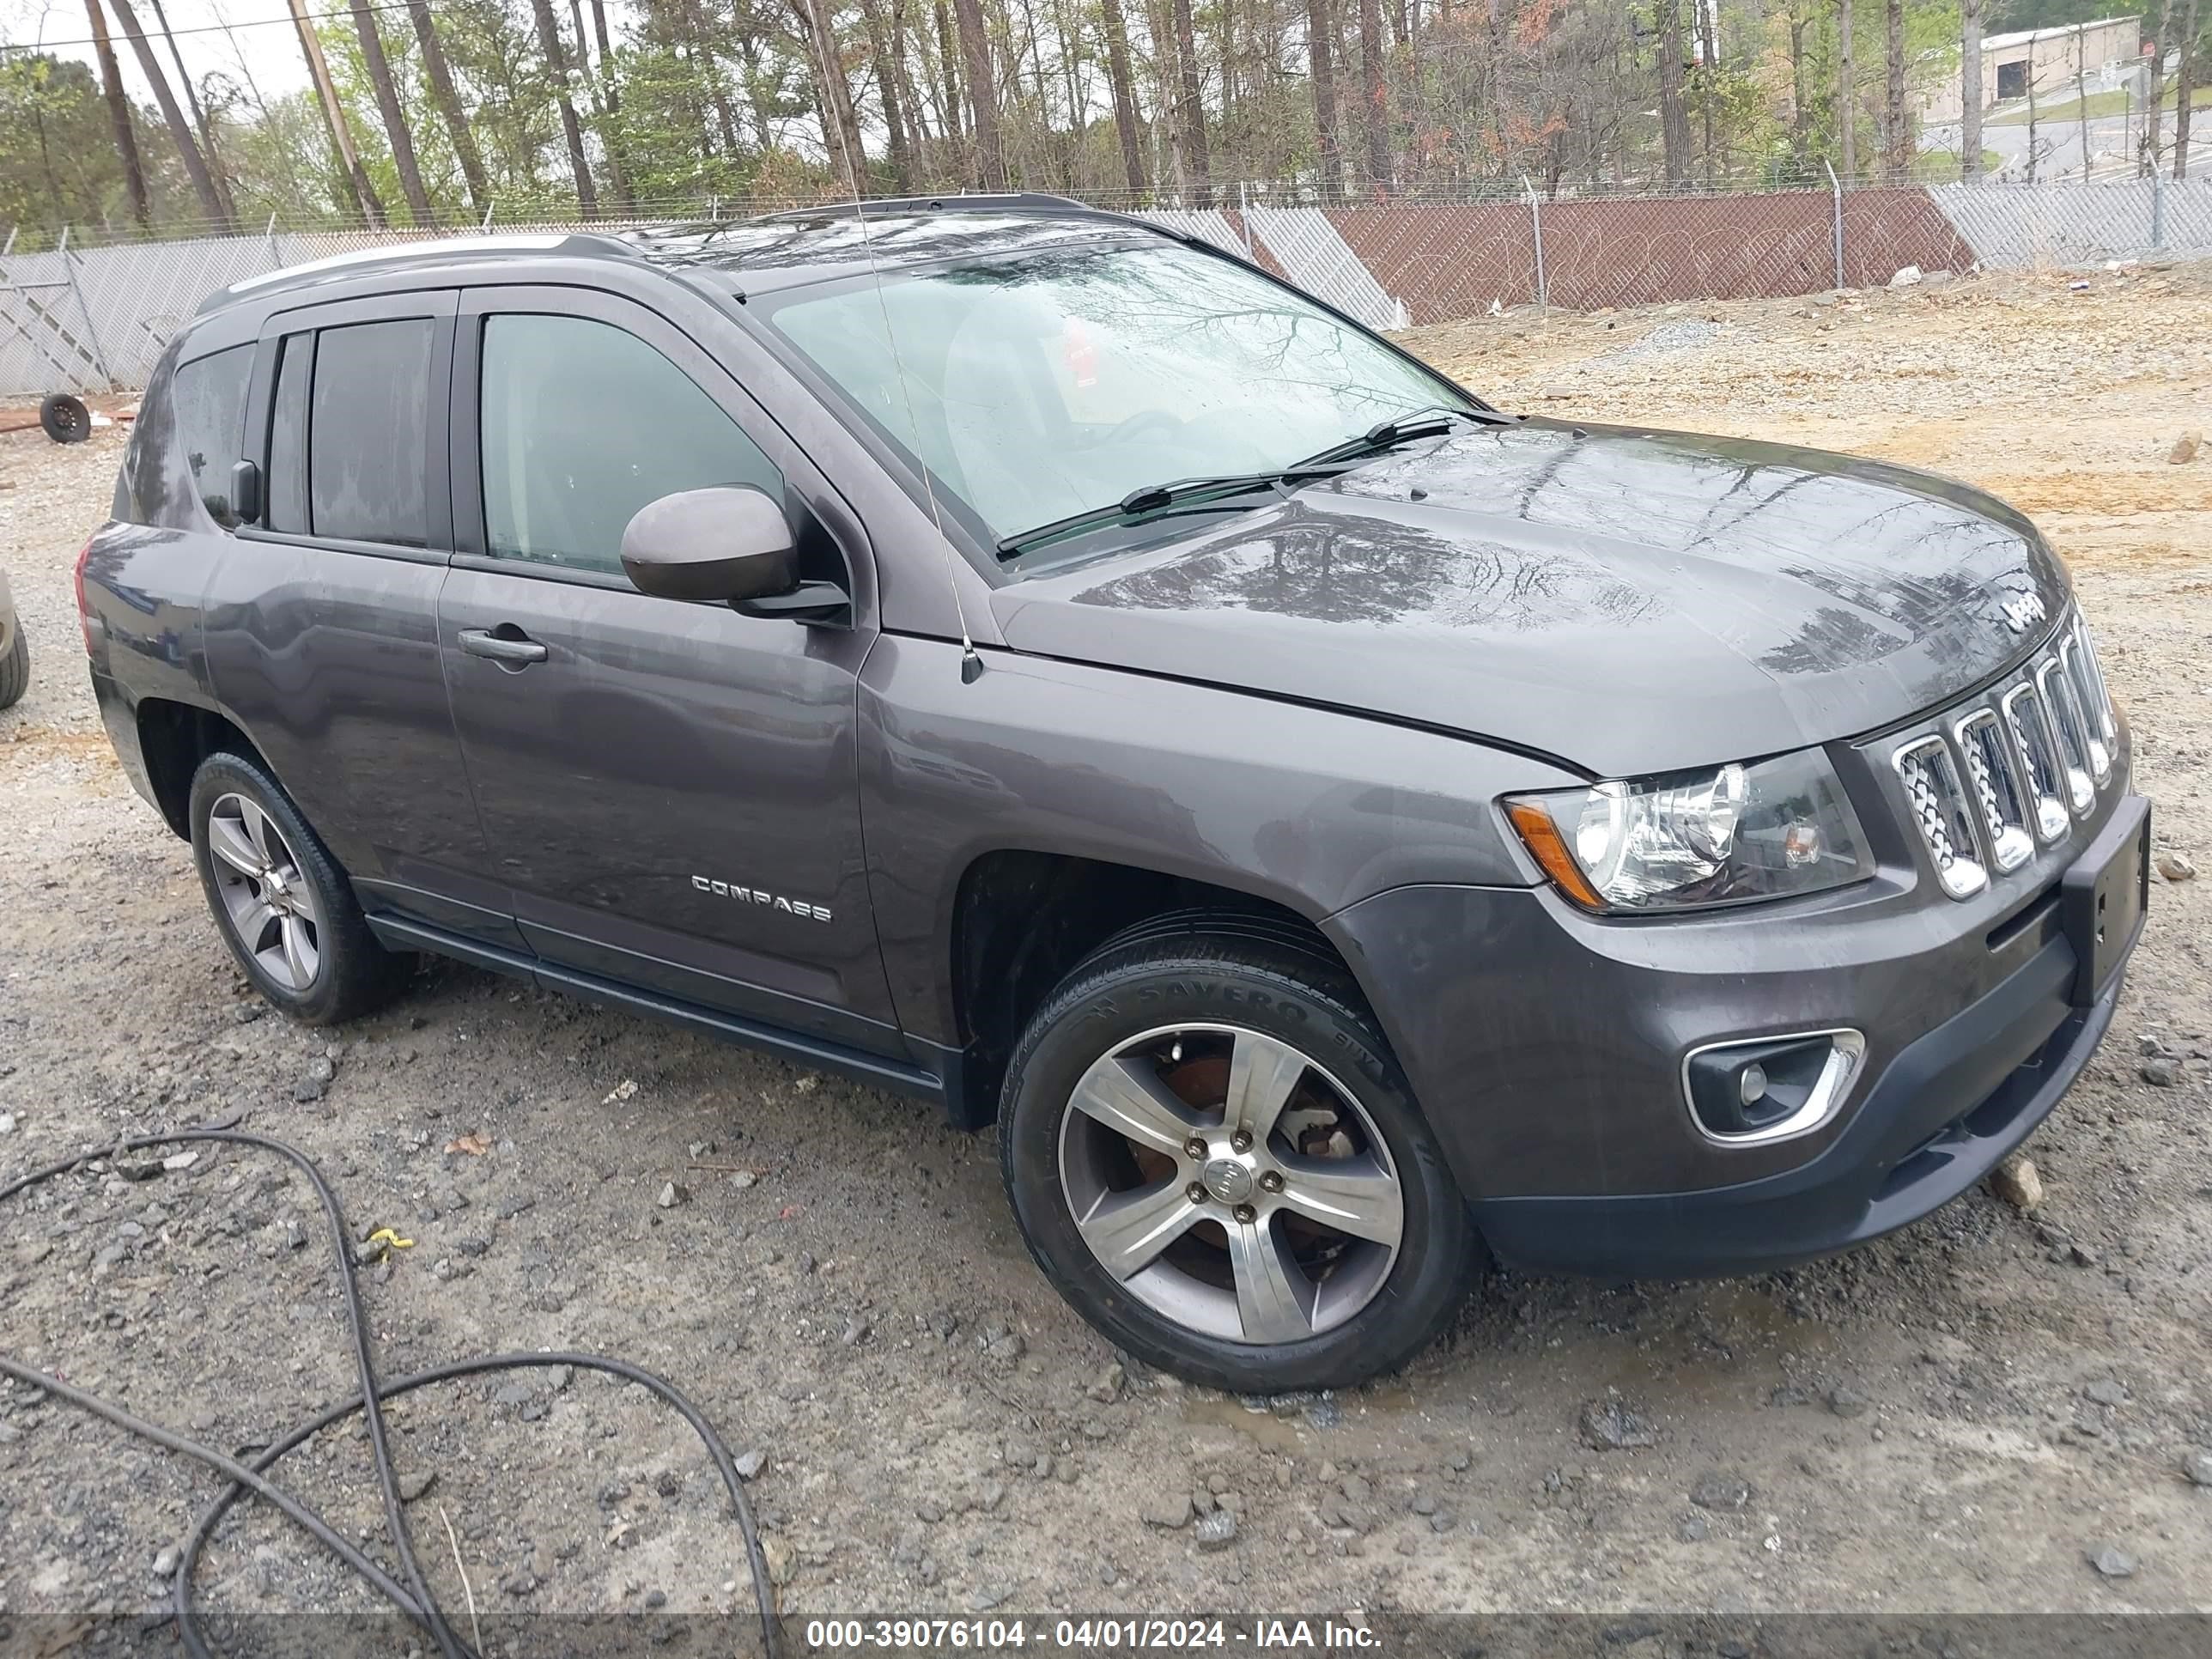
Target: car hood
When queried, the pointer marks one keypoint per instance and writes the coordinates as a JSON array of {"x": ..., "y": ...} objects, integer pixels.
[{"x": 1625, "y": 600}]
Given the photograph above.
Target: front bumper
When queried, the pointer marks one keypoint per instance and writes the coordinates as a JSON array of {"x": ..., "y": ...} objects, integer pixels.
[{"x": 1546, "y": 1048}]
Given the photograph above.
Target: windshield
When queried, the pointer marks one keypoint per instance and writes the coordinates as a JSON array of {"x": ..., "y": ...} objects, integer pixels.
[{"x": 1045, "y": 385}]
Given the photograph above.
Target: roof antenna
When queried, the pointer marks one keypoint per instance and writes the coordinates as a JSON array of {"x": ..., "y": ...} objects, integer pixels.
[{"x": 971, "y": 664}]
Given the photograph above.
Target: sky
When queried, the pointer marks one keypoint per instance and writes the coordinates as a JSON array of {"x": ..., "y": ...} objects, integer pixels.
[{"x": 260, "y": 33}]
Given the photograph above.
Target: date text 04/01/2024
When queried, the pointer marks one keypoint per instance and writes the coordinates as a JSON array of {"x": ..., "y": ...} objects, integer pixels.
[{"x": 1108, "y": 1634}]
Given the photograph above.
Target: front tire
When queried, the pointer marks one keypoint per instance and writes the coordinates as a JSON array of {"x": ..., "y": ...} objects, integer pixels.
[
  {"x": 1214, "y": 1157},
  {"x": 280, "y": 901},
  {"x": 15, "y": 669}
]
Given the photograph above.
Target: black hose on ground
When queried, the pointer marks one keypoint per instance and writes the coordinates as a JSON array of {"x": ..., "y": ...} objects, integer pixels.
[{"x": 412, "y": 1598}]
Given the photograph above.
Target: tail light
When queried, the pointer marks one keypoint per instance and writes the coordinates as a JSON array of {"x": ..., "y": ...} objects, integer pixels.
[{"x": 83, "y": 607}]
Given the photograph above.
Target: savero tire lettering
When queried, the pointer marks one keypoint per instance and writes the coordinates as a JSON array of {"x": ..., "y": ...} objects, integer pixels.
[{"x": 790, "y": 906}]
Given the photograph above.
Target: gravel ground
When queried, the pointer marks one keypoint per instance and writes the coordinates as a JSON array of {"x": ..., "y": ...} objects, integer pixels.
[{"x": 1963, "y": 1417}]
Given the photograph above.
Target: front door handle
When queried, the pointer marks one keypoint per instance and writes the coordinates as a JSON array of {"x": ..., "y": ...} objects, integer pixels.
[{"x": 513, "y": 647}]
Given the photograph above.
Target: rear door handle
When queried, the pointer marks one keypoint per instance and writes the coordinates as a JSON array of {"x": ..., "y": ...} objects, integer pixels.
[{"x": 501, "y": 647}]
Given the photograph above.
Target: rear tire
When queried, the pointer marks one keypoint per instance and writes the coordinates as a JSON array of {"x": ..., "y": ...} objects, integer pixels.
[
  {"x": 15, "y": 671},
  {"x": 280, "y": 901},
  {"x": 1202, "y": 1249}
]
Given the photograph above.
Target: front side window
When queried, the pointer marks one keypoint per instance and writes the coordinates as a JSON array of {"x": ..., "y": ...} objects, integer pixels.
[
  {"x": 584, "y": 423},
  {"x": 366, "y": 440},
  {"x": 1051, "y": 384},
  {"x": 208, "y": 401}
]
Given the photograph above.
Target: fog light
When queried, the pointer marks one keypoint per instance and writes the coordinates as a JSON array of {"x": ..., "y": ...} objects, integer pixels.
[{"x": 1766, "y": 1088}]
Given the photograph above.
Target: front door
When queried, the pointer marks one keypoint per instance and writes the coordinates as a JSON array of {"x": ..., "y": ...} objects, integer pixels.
[{"x": 669, "y": 789}]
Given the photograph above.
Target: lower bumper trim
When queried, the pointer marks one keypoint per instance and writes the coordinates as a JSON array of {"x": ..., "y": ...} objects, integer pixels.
[{"x": 1764, "y": 1225}]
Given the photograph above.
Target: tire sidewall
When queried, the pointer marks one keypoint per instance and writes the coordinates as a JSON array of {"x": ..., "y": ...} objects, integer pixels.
[
  {"x": 1102, "y": 1010},
  {"x": 224, "y": 774}
]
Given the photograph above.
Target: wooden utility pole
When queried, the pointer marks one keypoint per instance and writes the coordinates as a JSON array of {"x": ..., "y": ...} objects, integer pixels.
[{"x": 372, "y": 205}]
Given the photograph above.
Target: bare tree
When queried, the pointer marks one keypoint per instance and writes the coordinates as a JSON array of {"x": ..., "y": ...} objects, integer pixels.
[
  {"x": 119, "y": 115},
  {"x": 1674, "y": 116},
  {"x": 599, "y": 84},
  {"x": 888, "y": 94},
  {"x": 556, "y": 61},
  {"x": 2082, "y": 96},
  {"x": 2185, "y": 82},
  {"x": 1897, "y": 153},
  {"x": 1194, "y": 106},
  {"x": 192, "y": 102},
  {"x": 846, "y": 154},
  {"x": 395, "y": 119},
  {"x": 203, "y": 185},
  {"x": 1320, "y": 31},
  {"x": 982, "y": 95},
  {"x": 1847, "y": 101},
  {"x": 2154, "y": 94},
  {"x": 1375, "y": 93},
  {"x": 1970, "y": 88},
  {"x": 1125, "y": 91},
  {"x": 449, "y": 101}
]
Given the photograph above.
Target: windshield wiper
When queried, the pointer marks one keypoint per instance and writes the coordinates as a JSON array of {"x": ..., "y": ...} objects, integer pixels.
[
  {"x": 1397, "y": 429},
  {"x": 1141, "y": 503}
]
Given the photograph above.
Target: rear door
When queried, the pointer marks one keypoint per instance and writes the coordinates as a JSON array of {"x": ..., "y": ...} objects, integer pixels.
[
  {"x": 322, "y": 620},
  {"x": 669, "y": 788}
]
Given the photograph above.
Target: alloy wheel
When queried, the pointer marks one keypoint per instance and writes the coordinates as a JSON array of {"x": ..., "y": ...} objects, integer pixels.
[
  {"x": 267, "y": 900},
  {"x": 1230, "y": 1183}
]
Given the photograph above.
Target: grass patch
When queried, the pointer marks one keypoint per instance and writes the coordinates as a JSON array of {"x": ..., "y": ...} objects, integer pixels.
[{"x": 2100, "y": 103}]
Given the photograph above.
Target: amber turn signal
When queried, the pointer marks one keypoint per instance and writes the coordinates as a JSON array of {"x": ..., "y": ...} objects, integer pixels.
[{"x": 1550, "y": 852}]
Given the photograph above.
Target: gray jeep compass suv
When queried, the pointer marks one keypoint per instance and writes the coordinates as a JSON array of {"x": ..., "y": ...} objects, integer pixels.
[{"x": 1006, "y": 653}]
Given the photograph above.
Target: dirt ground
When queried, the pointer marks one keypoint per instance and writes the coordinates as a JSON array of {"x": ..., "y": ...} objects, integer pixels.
[{"x": 1956, "y": 1419}]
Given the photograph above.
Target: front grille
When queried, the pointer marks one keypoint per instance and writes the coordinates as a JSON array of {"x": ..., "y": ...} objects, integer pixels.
[{"x": 2015, "y": 766}]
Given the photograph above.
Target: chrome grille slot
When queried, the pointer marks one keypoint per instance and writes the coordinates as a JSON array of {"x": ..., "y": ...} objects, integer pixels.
[
  {"x": 1940, "y": 809},
  {"x": 2081, "y": 675},
  {"x": 2100, "y": 693},
  {"x": 2038, "y": 752},
  {"x": 1991, "y": 771},
  {"x": 2063, "y": 710}
]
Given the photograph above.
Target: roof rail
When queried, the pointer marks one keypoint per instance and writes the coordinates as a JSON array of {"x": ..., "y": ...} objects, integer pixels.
[{"x": 954, "y": 203}]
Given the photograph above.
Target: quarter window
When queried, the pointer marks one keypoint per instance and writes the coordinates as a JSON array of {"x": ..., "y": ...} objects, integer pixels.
[
  {"x": 367, "y": 446},
  {"x": 209, "y": 398},
  {"x": 583, "y": 424}
]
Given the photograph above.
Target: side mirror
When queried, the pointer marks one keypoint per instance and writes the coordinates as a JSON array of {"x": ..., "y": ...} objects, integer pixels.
[{"x": 729, "y": 543}]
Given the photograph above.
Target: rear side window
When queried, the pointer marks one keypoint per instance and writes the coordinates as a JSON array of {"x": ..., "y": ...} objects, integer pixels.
[
  {"x": 583, "y": 424},
  {"x": 367, "y": 410},
  {"x": 288, "y": 434},
  {"x": 207, "y": 402}
]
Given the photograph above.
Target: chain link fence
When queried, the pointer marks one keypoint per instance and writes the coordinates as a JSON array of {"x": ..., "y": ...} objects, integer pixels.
[{"x": 94, "y": 318}]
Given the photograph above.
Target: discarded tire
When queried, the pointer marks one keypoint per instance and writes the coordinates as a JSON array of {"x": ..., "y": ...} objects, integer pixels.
[{"x": 65, "y": 419}]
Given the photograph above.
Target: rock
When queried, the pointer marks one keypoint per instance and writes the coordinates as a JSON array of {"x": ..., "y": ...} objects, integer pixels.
[
  {"x": 2016, "y": 1182},
  {"x": 519, "y": 1584},
  {"x": 742, "y": 1179},
  {"x": 2161, "y": 1071},
  {"x": 781, "y": 1562},
  {"x": 1718, "y": 1491},
  {"x": 1694, "y": 1530},
  {"x": 1609, "y": 1425},
  {"x": 2106, "y": 1391},
  {"x": 1846, "y": 1402},
  {"x": 1106, "y": 1386},
  {"x": 1168, "y": 1511},
  {"x": 412, "y": 1486},
  {"x": 2198, "y": 1466},
  {"x": 1356, "y": 1490},
  {"x": 164, "y": 1564},
  {"x": 1216, "y": 1531},
  {"x": 1907, "y": 277},
  {"x": 2186, "y": 448},
  {"x": 671, "y": 1196},
  {"x": 7, "y": 1123},
  {"x": 310, "y": 1089},
  {"x": 751, "y": 1463},
  {"x": 2175, "y": 866},
  {"x": 2113, "y": 1562}
]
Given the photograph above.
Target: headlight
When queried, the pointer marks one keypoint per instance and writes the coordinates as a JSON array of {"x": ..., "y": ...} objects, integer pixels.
[{"x": 1724, "y": 834}]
